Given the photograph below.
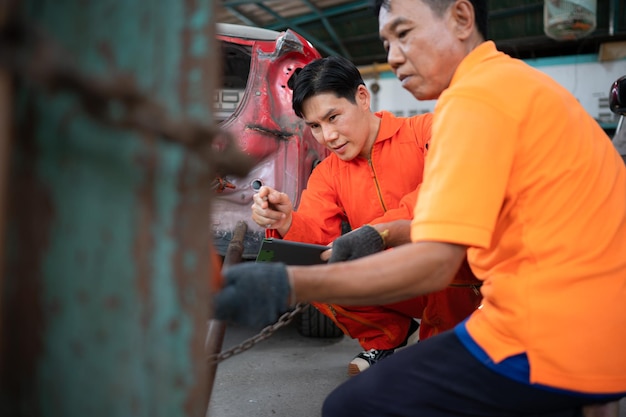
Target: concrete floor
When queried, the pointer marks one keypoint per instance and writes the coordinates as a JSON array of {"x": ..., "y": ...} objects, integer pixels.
[{"x": 286, "y": 375}]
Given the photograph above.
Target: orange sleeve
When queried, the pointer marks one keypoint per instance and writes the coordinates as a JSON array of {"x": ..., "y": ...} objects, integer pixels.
[
  {"x": 423, "y": 130},
  {"x": 215, "y": 280}
]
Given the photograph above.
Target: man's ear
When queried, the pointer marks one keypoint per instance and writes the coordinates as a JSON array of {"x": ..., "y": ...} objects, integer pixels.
[
  {"x": 363, "y": 96},
  {"x": 462, "y": 12}
]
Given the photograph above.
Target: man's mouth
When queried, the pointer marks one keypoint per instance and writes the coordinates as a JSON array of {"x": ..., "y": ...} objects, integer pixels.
[
  {"x": 339, "y": 148},
  {"x": 404, "y": 78}
]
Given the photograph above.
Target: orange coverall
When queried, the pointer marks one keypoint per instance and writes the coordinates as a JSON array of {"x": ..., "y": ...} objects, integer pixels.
[{"x": 381, "y": 189}]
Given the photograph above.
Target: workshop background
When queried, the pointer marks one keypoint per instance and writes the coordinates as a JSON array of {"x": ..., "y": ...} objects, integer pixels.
[{"x": 108, "y": 148}]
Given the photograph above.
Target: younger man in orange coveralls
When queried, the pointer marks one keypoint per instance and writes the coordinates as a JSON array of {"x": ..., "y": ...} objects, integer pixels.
[{"x": 371, "y": 177}]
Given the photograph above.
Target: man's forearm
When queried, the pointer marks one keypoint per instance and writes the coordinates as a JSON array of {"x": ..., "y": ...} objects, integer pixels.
[{"x": 383, "y": 278}]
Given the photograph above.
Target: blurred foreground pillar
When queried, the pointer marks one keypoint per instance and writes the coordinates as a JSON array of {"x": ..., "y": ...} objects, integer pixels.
[{"x": 105, "y": 269}]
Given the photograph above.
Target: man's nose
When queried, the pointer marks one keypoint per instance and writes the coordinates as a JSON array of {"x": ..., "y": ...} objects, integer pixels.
[
  {"x": 329, "y": 133},
  {"x": 395, "y": 57}
]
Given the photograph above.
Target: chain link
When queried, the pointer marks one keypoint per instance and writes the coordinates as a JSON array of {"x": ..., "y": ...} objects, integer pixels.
[{"x": 265, "y": 333}]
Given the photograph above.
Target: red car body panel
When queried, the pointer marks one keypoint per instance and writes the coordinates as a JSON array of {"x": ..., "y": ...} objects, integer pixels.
[{"x": 254, "y": 104}]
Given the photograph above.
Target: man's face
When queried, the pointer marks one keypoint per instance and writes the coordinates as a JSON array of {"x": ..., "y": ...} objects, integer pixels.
[
  {"x": 422, "y": 47},
  {"x": 338, "y": 124}
]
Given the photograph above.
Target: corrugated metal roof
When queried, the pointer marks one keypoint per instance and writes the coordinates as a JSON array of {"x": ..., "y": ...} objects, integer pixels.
[{"x": 350, "y": 28}]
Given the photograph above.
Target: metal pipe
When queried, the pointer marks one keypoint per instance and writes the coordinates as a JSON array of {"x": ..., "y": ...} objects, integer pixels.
[
  {"x": 613, "y": 13},
  {"x": 214, "y": 342},
  {"x": 217, "y": 328}
]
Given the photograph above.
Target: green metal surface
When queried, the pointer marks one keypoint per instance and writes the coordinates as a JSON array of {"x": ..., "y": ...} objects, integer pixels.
[{"x": 106, "y": 296}]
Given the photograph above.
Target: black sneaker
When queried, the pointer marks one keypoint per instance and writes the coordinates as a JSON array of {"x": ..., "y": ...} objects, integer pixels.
[
  {"x": 412, "y": 336},
  {"x": 367, "y": 358}
]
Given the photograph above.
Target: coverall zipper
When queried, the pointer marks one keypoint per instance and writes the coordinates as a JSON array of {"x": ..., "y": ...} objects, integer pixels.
[
  {"x": 344, "y": 313},
  {"x": 380, "y": 196}
]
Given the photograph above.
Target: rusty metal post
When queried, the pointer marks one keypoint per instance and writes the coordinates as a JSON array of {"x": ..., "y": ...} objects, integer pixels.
[
  {"x": 5, "y": 150},
  {"x": 235, "y": 248},
  {"x": 217, "y": 329},
  {"x": 6, "y": 114},
  {"x": 105, "y": 291}
]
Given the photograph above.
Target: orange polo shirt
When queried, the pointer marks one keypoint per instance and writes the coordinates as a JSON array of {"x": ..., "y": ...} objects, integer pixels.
[{"x": 522, "y": 175}]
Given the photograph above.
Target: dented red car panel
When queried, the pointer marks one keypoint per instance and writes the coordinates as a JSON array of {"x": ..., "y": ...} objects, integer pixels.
[{"x": 254, "y": 104}]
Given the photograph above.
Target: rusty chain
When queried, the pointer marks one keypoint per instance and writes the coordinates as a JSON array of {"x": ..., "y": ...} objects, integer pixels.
[
  {"x": 32, "y": 56},
  {"x": 265, "y": 333}
]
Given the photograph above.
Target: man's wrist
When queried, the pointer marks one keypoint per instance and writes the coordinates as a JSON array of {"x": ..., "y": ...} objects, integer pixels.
[
  {"x": 384, "y": 235},
  {"x": 284, "y": 229}
]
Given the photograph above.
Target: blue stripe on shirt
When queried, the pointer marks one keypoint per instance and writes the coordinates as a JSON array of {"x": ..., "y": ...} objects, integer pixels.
[{"x": 517, "y": 367}]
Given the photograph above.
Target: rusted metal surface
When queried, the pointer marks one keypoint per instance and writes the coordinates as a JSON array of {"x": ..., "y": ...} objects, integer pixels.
[
  {"x": 7, "y": 9},
  {"x": 217, "y": 328},
  {"x": 106, "y": 286},
  {"x": 234, "y": 251},
  {"x": 114, "y": 100},
  {"x": 214, "y": 342},
  {"x": 257, "y": 77}
]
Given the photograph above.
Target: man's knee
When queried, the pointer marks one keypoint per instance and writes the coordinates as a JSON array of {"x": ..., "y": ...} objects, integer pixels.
[
  {"x": 333, "y": 405},
  {"x": 344, "y": 401}
]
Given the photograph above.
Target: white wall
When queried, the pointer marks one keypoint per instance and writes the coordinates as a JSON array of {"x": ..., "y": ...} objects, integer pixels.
[
  {"x": 582, "y": 75},
  {"x": 394, "y": 98}
]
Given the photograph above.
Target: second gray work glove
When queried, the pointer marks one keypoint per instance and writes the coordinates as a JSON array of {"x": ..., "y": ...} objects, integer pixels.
[
  {"x": 254, "y": 294},
  {"x": 356, "y": 244}
]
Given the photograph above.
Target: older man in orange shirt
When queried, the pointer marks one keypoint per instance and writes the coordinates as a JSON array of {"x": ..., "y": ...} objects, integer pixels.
[{"x": 522, "y": 181}]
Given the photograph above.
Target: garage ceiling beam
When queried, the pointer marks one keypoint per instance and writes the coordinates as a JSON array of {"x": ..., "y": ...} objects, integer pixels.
[
  {"x": 245, "y": 19},
  {"x": 330, "y": 12},
  {"x": 514, "y": 11},
  {"x": 322, "y": 17}
]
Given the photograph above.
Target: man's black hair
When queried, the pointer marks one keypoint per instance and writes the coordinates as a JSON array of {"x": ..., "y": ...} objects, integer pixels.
[
  {"x": 333, "y": 74},
  {"x": 481, "y": 11}
]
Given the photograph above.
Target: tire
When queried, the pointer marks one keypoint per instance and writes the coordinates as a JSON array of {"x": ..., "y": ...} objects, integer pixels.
[{"x": 315, "y": 324}]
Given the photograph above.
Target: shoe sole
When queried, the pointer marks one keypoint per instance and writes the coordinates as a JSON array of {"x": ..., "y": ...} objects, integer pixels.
[{"x": 353, "y": 370}]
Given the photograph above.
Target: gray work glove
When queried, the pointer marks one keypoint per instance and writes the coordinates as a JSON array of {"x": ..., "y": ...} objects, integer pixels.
[
  {"x": 358, "y": 243},
  {"x": 254, "y": 294}
]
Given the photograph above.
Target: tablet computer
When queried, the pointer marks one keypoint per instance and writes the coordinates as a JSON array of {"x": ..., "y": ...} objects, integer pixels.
[{"x": 289, "y": 252}]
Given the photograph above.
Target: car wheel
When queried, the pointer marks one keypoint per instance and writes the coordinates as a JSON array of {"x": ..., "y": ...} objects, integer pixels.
[{"x": 314, "y": 324}]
